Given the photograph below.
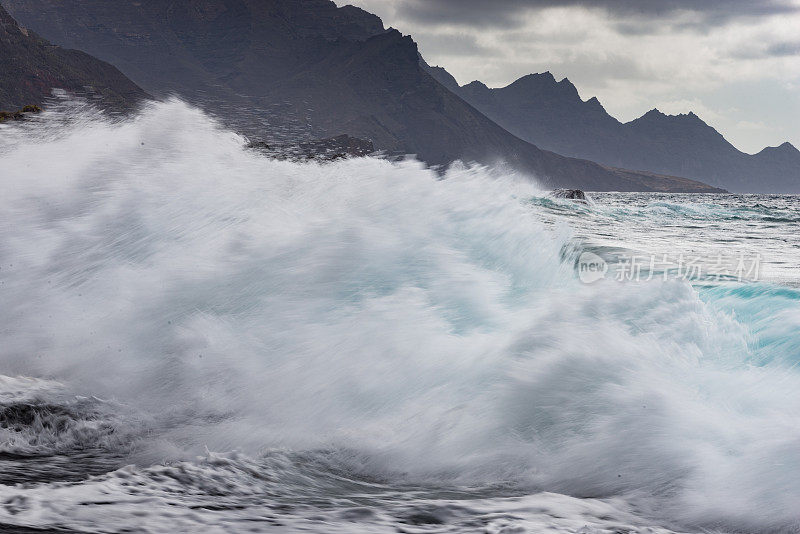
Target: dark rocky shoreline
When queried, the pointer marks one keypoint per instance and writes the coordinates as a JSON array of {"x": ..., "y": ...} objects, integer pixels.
[{"x": 19, "y": 115}]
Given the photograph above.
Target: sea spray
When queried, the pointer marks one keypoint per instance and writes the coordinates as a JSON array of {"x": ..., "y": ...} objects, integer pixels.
[{"x": 374, "y": 319}]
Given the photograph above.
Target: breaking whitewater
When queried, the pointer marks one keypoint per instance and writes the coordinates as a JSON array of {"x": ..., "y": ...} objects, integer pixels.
[{"x": 196, "y": 338}]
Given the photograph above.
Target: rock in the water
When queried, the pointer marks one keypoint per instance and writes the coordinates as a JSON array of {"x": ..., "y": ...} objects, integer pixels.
[
  {"x": 19, "y": 115},
  {"x": 330, "y": 149},
  {"x": 573, "y": 194}
]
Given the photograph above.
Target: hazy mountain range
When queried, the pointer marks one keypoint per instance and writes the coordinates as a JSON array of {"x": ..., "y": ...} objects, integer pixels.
[
  {"x": 552, "y": 115},
  {"x": 284, "y": 70}
]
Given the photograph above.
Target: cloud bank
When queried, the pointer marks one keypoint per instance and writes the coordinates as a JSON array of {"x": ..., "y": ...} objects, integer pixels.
[{"x": 509, "y": 12}]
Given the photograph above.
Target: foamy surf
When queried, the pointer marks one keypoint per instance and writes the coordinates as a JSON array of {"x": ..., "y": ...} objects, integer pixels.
[{"x": 364, "y": 346}]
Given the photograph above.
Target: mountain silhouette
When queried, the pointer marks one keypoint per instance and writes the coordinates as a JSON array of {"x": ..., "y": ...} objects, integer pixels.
[
  {"x": 283, "y": 70},
  {"x": 552, "y": 115}
]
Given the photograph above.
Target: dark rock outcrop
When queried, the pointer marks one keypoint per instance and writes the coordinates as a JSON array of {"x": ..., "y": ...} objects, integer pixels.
[
  {"x": 30, "y": 68},
  {"x": 20, "y": 115},
  {"x": 572, "y": 194},
  {"x": 552, "y": 115}
]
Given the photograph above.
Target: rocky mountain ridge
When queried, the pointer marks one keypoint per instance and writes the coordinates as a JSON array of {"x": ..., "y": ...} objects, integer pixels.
[
  {"x": 552, "y": 115},
  {"x": 288, "y": 70}
]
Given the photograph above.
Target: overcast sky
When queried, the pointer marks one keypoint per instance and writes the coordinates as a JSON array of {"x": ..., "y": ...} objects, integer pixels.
[{"x": 736, "y": 63}]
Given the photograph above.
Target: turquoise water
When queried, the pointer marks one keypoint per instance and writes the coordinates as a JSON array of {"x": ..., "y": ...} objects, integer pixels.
[{"x": 762, "y": 229}]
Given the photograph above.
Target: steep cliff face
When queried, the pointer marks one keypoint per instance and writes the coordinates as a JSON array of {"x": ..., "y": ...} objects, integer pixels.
[
  {"x": 552, "y": 115},
  {"x": 376, "y": 89},
  {"x": 201, "y": 48},
  {"x": 32, "y": 67},
  {"x": 283, "y": 70}
]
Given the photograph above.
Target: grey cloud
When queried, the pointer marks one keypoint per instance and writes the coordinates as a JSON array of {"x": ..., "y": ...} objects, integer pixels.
[
  {"x": 584, "y": 70},
  {"x": 639, "y": 27},
  {"x": 590, "y": 69},
  {"x": 784, "y": 49},
  {"x": 466, "y": 12},
  {"x": 460, "y": 44},
  {"x": 779, "y": 49},
  {"x": 508, "y": 12}
]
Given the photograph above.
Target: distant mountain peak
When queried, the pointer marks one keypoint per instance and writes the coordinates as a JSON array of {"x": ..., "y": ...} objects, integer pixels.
[
  {"x": 545, "y": 85},
  {"x": 477, "y": 83},
  {"x": 692, "y": 117},
  {"x": 354, "y": 11},
  {"x": 569, "y": 87},
  {"x": 654, "y": 113},
  {"x": 546, "y": 74},
  {"x": 536, "y": 79},
  {"x": 595, "y": 104},
  {"x": 786, "y": 148}
]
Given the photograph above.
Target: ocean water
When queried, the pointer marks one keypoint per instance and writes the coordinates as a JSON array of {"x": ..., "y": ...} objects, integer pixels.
[{"x": 198, "y": 339}]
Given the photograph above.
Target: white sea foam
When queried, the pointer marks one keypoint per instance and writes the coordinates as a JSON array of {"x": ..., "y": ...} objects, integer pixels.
[{"x": 418, "y": 329}]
